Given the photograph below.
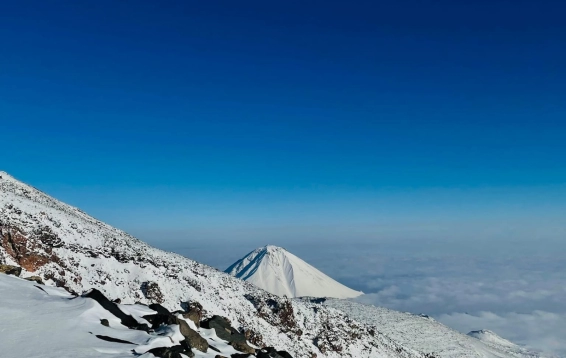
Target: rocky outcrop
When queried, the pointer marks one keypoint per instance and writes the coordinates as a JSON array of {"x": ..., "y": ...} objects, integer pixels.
[
  {"x": 30, "y": 250},
  {"x": 152, "y": 292},
  {"x": 35, "y": 279},
  {"x": 111, "y": 307},
  {"x": 192, "y": 337},
  {"x": 11, "y": 270},
  {"x": 172, "y": 352},
  {"x": 194, "y": 312}
]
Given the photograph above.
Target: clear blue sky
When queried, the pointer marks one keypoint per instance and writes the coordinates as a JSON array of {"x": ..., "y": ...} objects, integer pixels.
[{"x": 223, "y": 118}]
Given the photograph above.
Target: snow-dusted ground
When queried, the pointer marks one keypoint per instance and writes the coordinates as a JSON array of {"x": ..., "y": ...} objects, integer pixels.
[
  {"x": 281, "y": 273},
  {"x": 427, "y": 335},
  {"x": 48, "y": 322},
  {"x": 70, "y": 249}
]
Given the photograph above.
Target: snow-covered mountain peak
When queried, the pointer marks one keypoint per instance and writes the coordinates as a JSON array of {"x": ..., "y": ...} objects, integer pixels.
[
  {"x": 272, "y": 248},
  {"x": 278, "y": 271}
]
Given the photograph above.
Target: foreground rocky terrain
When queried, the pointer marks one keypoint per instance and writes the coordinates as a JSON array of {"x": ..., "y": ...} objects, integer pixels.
[
  {"x": 90, "y": 290},
  {"x": 69, "y": 249},
  {"x": 63, "y": 325}
]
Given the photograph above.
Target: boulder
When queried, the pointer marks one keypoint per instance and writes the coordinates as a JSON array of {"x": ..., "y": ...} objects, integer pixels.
[
  {"x": 11, "y": 270},
  {"x": 193, "y": 311},
  {"x": 111, "y": 307},
  {"x": 105, "y": 322},
  {"x": 193, "y": 315},
  {"x": 242, "y": 347},
  {"x": 270, "y": 352},
  {"x": 35, "y": 279},
  {"x": 172, "y": 352},
  {"x": 193, "y": 339},
  {"x": 152, "y": 292},
  {"x": 237, "y": 337},
  {"x": 159, "y": 319},
  {"x": 159, "y": 308},
  {"x": 221, "y": 326}
]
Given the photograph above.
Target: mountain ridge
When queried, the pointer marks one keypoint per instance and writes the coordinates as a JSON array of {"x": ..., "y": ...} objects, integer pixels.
[{"x": 69, "y": 249}]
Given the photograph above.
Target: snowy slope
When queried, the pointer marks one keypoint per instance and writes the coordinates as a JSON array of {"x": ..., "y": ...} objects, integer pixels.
[
  {"x": 490, "y": 338},
  {"x": 48, "y": 322},
  {"x": 425, "y": 334},
  {"x": 70, "y": 249},
  {"x": 281, "y": 273}
]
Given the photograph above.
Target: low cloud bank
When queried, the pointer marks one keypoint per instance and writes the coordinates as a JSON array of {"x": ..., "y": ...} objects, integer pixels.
[{"x": 520, "y": 296}]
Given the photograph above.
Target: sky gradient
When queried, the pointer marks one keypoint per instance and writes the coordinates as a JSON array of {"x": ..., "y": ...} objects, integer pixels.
[{"x": 221, "y": 116}]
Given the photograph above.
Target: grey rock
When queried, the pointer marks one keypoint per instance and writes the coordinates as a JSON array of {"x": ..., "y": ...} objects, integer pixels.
[{"x": 192, "y": 337}]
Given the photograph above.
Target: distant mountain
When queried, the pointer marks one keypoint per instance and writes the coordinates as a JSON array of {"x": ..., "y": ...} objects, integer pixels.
[{"x": 281, "y": 273}]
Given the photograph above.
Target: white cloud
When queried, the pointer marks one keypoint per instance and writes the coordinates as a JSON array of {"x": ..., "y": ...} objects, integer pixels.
[
  {"x": 520, "y": 297},
  {"x": 541, "y": 330}
]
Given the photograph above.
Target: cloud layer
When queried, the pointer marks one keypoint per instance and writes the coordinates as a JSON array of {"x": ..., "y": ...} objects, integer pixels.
[
  {"x": 515, "y": 288},
  {"x": 510, "y": 288}
]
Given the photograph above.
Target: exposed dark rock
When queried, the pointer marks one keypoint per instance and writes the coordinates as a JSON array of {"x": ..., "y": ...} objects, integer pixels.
[
  {"x": 30, "y": 250},
  {"x": 254, "y": 338},
  {"x": 111, "y": 307},
  {"x": 237, "y": 337},
  {"x": 172, "y": 352},
  {"x": 105, "y": 322},
  {"x": 11, "y": 270},
  {"x": 159, "y": 308},
  {"x": 152, "y": 292},
  {"x": 41, "y": 288},
  {"x": 193, "y": 311},
  {"x": 36, "y": 279},
  {"x": 159, "y": 319},
  {"x": 194, "y": 316},
  {"x": 192, "y": 337},
  {"x": 277, "y": 312},
  {"x": 242, "y": 347},
  {"x": 118, "y": 301},
  {"x": 268, "y": 352},
  {"x": 111, "y": 339},
  {"x": 318, "y": 300},
  {"x": 240, "y": 355},
  {"x": 221, "y": 326}
]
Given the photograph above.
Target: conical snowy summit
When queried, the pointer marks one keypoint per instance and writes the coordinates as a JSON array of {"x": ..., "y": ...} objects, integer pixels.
[{"x": 281, "y": 273}]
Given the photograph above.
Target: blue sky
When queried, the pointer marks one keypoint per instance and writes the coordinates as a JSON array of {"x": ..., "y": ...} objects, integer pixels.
[{"x": 225, "y": 116}]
